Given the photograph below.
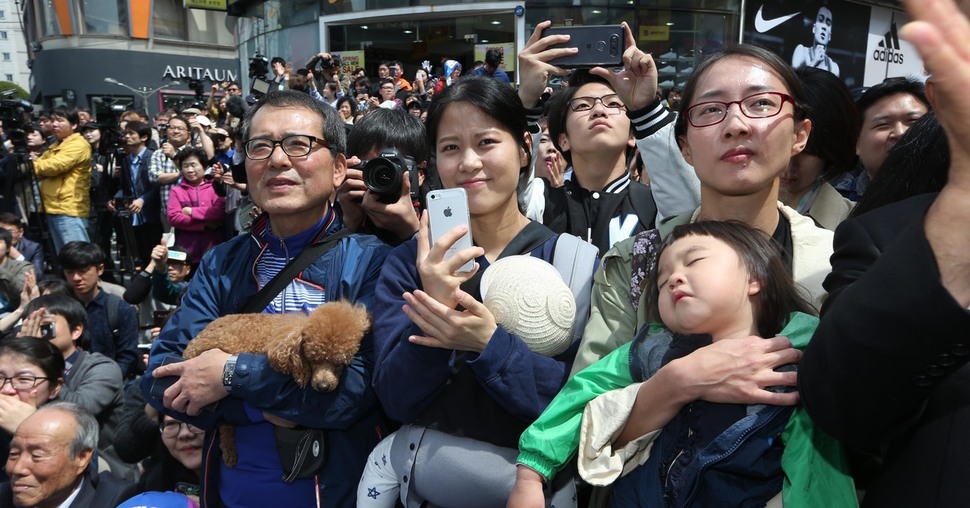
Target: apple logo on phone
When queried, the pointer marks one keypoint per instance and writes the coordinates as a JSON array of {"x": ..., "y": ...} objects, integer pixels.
[{"x": 447, "y": 212}]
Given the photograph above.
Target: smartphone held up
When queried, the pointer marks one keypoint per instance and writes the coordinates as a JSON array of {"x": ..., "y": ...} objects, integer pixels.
[
  {"x": 448, "y": 209},
  {"x": 599, "y": 46}
]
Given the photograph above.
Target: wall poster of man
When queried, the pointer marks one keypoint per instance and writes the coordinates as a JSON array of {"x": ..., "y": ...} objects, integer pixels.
[{"x": 829, "y": 35}]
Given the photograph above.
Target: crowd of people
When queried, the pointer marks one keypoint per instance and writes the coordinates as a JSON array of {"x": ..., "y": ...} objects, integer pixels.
[{"x": 751, "y": 292}]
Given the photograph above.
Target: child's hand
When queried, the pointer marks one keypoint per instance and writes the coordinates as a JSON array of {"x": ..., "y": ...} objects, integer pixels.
[{"x": 527, "y": 492}]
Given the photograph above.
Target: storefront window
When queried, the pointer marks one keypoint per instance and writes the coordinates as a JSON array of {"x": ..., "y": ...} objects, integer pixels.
[
  {"x": 169, "y": 19},
  {"x": 678, "y": 40},
  {"x": 105, "y": 16},
  {"x": 464, "y": 39},
  {"x": 177, "y": 100},
  {"x": 47, "y": 18},
  {"x": 208, "y": 27}
]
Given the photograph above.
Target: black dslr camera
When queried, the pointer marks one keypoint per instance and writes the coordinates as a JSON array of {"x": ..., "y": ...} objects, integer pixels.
[
  {"x": 384, "y": 175},
  {"x": 330, "y": 63}
]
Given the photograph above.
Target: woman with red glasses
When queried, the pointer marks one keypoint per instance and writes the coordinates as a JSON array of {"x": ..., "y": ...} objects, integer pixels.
[{"x": 742, "y": 121}]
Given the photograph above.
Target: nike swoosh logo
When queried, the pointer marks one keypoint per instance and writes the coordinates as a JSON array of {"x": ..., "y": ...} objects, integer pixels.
[{"x": 763, "y": 25}]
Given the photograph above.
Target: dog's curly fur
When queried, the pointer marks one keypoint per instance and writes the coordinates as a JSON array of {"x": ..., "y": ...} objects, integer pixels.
[{"x": 313, "y": 348}]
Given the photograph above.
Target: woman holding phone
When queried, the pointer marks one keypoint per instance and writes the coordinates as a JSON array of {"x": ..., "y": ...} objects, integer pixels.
[{"x": 444, "y": 363}]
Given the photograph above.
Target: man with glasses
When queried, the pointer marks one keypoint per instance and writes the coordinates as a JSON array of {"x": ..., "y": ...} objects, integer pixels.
[
  {"x": 162, "y": 167},
  {"x": 91, "y": 380},
  {"x": 294, "y": 149},
  {"x": 233, "y": 88},
  {"x": 589, "y": 123}
]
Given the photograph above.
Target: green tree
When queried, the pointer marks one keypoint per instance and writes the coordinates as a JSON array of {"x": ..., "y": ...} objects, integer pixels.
[{"x": 19, "y": 92}]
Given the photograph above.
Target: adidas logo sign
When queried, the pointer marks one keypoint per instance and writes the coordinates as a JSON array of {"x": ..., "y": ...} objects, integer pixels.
[{"x": 888, "y": 50}]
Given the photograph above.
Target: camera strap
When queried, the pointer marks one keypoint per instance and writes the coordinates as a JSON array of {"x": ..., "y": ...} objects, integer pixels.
[{"x": 310, "y": 253}]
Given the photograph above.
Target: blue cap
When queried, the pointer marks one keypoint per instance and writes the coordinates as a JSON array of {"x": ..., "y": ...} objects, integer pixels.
[{"x": 159, "y": 500}]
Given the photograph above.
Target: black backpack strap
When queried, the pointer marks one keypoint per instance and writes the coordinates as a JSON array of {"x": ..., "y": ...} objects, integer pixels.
[
  {"x": 114, "y": 303},
  {"x": 310, "y": 253},
  {"x": 643, "y": 204}
]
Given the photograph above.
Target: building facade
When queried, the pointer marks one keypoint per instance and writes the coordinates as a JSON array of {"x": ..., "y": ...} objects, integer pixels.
[
  {"x": 139, "y": 53},
  {"x": 13, "y": 46},
  {"x": 677, "y": 33}
]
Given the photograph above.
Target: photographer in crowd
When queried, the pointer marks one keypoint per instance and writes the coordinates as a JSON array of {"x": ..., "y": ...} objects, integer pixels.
[
  {"x": 386, "y": 145},
  {"x": 326, "y": 67},
  {"x": 137, "y": 199}
]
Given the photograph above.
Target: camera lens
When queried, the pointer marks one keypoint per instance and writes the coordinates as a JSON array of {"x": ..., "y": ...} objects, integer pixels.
[{"x": 383, "y": 177}]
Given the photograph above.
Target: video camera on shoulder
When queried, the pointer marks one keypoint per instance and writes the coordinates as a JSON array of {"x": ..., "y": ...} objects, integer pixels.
[
  {"x": 13, "y": 116},
  {"x": 107, "y": 119},
  {"x": 384, "y": 175}
]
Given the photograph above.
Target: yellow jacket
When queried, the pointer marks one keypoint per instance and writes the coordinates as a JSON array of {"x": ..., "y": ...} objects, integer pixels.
[{"x": 65, "y": 173}]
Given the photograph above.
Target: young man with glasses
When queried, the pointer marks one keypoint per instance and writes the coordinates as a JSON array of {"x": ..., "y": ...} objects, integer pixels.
[
  {"x": 294, "y": 148},
  {"x": 591, "y": 125}
]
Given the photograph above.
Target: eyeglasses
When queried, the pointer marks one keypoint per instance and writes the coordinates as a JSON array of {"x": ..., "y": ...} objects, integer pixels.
[
  {"x": 218, "y": 138},
  {"x": 759, "y": 105},
  {"x": 295, "y": 145},
  {"x": 172, "y": 428},
  {"x": 22, "y": 383},
  {"x": 586, "y": 103}
]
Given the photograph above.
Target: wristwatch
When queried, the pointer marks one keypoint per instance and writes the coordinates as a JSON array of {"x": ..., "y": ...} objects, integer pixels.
[{"x": 228, "y": 371}]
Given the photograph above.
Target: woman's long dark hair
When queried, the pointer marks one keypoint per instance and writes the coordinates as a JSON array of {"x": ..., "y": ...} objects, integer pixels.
[{"x": 496, "y": 100}]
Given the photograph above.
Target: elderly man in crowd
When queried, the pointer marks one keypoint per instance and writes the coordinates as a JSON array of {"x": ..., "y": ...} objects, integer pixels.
[{"x": 48, "y": 463}]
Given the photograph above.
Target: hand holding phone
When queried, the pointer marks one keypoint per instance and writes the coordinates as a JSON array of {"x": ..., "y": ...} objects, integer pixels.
[
  {"x": 599, "y": 46},
  {"x": 448, "y": 209}
]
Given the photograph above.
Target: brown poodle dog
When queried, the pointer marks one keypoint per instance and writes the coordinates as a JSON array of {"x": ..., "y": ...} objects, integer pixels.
[{"x": 312, "y": 348}]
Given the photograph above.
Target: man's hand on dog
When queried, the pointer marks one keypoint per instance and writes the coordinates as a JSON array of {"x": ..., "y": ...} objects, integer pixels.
[{"x": 199, "y": 384}]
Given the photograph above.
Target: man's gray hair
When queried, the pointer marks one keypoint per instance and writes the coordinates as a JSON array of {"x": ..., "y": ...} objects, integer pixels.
[
  {"x": 333, "y": 128},
  {"x": 86, "y": 437}
]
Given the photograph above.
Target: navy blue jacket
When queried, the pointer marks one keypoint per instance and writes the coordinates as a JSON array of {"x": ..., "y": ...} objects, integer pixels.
[
  {"x": 514, "y": 385},
  {"x": 142, "y": 188},
  {"x": 225, "y": 281}
]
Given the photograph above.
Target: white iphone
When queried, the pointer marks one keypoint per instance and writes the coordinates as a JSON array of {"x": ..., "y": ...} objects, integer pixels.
[{"x": 447, "y": 209}]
